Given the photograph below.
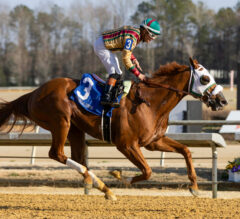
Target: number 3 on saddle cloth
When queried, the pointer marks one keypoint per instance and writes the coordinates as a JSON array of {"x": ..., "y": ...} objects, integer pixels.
[
  {"x": 88, "y": 95},
  {"x": 89, "y": 92}
]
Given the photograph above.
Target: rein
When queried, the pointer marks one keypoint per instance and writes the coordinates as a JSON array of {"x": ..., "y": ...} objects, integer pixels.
[
  {"x": 168, "y": 87},
  {"x": 155, "y": 85},
  {"x": 138, "y": 97}
]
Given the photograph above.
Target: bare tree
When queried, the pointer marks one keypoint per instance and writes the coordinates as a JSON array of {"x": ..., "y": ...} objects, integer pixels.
[{"x": 21, "y": 18}]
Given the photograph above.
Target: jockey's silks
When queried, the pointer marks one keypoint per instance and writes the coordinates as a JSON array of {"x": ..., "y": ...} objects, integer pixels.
[{"x": 122, "y": 39}]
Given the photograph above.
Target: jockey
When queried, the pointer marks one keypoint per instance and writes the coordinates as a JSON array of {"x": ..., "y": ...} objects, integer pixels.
[{"x": 123, "y": 39}]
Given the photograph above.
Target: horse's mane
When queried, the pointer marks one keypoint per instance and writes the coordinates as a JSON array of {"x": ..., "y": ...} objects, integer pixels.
[{"x": 169, "y": 68}]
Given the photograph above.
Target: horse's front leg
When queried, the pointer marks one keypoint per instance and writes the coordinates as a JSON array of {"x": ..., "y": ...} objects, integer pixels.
[
  {"x": 169, "y": 145},
  {"x": 134, "y": 154}
]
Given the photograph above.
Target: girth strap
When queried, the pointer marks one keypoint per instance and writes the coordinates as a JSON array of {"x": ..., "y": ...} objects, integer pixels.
[{"x": 106, "y": 126}]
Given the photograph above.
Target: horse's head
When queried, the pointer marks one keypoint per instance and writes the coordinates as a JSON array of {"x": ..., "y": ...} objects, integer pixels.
[{"x": 203, "y": 86}]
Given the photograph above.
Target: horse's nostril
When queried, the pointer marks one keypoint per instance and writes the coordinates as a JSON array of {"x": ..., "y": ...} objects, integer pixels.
[{"x": 223, "y": 102}]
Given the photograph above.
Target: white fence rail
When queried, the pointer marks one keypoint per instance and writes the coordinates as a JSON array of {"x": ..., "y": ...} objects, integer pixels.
[
  {"x": 204, "y": 122},
  {"x": 182, "y": 122}
]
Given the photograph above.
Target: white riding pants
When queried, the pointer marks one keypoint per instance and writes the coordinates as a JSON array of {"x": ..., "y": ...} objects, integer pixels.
[{"x": 109, "y": 59}]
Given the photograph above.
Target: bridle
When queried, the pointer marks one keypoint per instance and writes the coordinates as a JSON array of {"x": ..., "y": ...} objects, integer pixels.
[
  {"x": 166, "y": 86},
  {"x": 203, "y": 98},
  {"x": 201, "y": 85}
]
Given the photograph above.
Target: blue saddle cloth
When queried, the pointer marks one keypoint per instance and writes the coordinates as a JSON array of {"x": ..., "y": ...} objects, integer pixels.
[{"x": 88, "y": 95}]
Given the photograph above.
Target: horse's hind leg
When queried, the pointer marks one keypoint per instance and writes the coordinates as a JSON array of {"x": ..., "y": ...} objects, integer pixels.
[
  {"x": 97, "y": 183},
  {"x": 76, "y": 138},
  {"x": 59, "y": 136},
  {"x": 169, "y": 145}
]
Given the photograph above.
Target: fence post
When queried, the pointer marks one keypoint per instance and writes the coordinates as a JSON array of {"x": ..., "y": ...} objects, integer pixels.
[
  {"x": 32, "y": 161},
  {"x": 214, "y": 171},
  {"x": 163, "y": 153},
  {"x": 33, "y": 155},
  {"x": 162, "y": 159},
  {"x": 86, "y": 190}
]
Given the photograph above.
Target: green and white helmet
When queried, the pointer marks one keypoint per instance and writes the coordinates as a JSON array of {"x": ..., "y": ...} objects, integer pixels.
[{"x": 151, "y": 25}]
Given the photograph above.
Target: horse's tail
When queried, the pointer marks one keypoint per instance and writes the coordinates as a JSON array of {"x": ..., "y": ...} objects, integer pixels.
[{"x": 15, "y": 110}]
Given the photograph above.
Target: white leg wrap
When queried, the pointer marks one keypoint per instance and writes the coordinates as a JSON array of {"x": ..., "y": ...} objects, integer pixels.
[
  {"x": 80, "y": 168},
  {"x": 94, "y": 178},
  {"x": 97, "y": 183}
]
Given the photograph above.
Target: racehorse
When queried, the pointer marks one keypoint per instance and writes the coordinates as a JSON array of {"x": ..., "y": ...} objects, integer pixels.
[{"x": 141, "y": 120}]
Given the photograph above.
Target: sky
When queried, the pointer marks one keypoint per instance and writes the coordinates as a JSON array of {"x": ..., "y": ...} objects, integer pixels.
[
  {"x": 217, "y": 4},
  {"x": 33, "y": 4}
]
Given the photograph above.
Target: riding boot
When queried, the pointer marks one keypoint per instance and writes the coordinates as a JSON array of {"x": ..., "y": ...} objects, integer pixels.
[{"x": 106, "y": 99}]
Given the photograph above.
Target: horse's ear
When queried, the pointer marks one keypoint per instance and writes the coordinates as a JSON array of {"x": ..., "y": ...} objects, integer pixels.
[{"x": 192, "y": 63}]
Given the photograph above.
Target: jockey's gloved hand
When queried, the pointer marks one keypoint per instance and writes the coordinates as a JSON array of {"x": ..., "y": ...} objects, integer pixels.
[{"x": 142, "y": 77}]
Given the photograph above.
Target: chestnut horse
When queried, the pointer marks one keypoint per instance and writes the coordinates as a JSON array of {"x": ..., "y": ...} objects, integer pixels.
[{"x": 141, "y": 120}]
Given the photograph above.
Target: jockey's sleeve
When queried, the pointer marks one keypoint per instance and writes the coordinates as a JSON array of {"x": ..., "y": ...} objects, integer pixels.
[
  {"x": 127, "y": 56},
  {"x": 133, "y": 57}
]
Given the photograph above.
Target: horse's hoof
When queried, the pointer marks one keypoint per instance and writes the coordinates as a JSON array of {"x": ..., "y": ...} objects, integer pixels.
[
  {"x": 110, "y": 196},
  {"x": 88, "y": 186},
  {"x": 116, "y": 173},
  {"x": 88, "y": 183},
  {"x": 127, "y": 182},
  {"x": 194, "y": 192}
]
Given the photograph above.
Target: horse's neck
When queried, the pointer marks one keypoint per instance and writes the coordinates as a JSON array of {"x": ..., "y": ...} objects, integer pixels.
[
  {"x": 165, "y": 99},
  {"x": 178, "y": 81}
]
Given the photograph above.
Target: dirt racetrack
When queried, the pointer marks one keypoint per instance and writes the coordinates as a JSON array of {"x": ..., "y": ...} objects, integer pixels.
[{"x": 94, "y": 206}]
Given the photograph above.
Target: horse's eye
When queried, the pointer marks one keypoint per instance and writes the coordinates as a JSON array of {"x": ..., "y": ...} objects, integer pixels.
[{"x": 204, "y": 79}]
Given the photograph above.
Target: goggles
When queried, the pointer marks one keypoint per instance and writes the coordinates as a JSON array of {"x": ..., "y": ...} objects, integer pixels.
[{"x": 151, "y": 34}]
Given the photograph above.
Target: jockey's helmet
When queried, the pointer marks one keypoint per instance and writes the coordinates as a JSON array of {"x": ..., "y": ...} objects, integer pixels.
[{"x": 151, "y": 25}]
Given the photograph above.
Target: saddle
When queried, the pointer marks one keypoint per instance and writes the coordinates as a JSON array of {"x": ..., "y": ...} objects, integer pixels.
[{"x": 118, "y": 89}]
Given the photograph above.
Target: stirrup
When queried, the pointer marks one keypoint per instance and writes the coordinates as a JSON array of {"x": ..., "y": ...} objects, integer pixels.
[
  {"x": 115, "y": 105},
  {"x": 106, "y": 103}
]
